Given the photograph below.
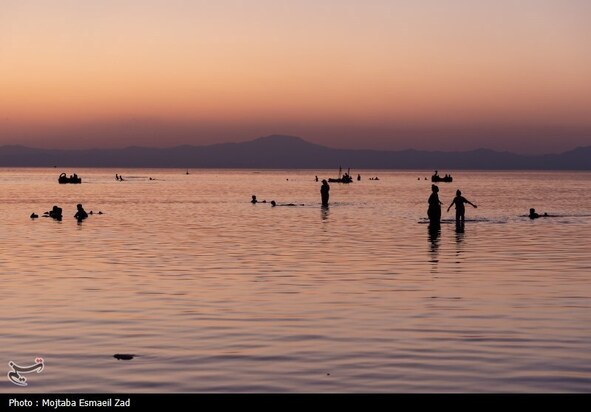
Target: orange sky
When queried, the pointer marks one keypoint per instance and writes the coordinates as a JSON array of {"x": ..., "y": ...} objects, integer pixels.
[{"x": 450, "y": 75}]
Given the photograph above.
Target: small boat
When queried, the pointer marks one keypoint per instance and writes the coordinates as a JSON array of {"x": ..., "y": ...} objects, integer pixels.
[
  {"x": 445, "y": 179},
  {"x": 72, "y": 179},
  {"x": 345, "y": 178}
]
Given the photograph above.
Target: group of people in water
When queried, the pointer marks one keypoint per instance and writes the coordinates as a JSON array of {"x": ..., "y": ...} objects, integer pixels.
[
  {"x": 324, "y": 195},
  {"x": 434, "y": 211},
  {"x": 56, "y": 213}
]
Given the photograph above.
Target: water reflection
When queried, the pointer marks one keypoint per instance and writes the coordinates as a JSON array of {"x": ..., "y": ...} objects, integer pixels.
[
  {"x": 459, "y": 232},
  {"x": 459, "y": 239},
  {"x": 434, "y": 233},
  {"x": 324, "y": 213}
]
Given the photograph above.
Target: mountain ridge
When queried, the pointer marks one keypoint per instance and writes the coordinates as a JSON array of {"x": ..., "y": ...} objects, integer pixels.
[{"x": 289, "y": 152}]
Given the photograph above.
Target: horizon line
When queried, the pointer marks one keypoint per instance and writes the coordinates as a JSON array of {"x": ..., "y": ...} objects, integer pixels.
[{"x": 286, "y": 136}]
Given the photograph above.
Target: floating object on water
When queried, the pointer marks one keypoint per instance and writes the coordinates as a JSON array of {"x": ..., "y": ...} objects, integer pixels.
[
  {"x": 445, "y": 179},
  {"x": 72, "y": 179},
  {"x": 123, "y": 356},
  {"x": 345, "y": 178},
  {"x": 34, "y": 215}
]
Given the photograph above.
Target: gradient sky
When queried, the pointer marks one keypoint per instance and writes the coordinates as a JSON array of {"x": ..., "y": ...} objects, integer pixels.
[{"x": 426, "y": 74}]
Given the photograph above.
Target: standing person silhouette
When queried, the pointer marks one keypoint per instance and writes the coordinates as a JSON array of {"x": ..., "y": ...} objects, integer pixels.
[
  {"x": 459, "y": 201},
  {"x": 434, "y": 211},
  {"x": 324, "y": 192}
]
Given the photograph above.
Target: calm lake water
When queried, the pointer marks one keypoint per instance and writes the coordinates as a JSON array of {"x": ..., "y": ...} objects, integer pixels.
[{"x": 214, "y": 294}]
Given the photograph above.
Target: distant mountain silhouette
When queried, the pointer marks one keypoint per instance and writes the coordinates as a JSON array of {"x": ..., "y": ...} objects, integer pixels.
[{"x": 289, "y": 152}]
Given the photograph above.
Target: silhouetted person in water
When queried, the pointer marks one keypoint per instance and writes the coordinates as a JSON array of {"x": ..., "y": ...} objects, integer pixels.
[
  {"x": 534, "y": 215},
  {"x": 316, "y": 178},
  {"x": 459, "y": 201},
  {"x": 81, "y": 213},
  {"x": 55, "y": 212},
  {"x": 254, "y": 200},
  {"x": 358, "y": 177},
  {"x": 434, "y": 211},
  {"x": 274, "y": 203},
  {"x": 324, "y": 189}
]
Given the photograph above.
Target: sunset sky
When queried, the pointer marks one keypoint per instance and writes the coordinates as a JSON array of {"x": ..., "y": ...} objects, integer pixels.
[{"x": 385, "y": 74}]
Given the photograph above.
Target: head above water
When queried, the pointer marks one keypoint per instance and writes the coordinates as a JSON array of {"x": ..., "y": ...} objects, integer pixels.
[
  {"x": 79, "y": 206},
  {"x": 324, "y": 181},
  {"x": 532, "y": 211},
  {"x": 458, "y": 192}
]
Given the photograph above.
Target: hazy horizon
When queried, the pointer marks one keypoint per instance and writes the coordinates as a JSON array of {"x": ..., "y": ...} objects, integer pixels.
[
  {"x": 276, "y": 135},
  {"x": 426, "y": 75}
]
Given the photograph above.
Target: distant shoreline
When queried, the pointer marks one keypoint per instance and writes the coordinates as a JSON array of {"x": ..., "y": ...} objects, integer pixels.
[
  {"x": 288, "y": 152},
  {"x": 330, "y": 171}
]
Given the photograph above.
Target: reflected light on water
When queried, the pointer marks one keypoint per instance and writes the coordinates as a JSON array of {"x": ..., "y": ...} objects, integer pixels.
[{"x": 215, "y": 294}]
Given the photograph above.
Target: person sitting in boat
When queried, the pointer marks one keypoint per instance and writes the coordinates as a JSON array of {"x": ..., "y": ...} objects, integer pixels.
[{"x": 81, "y": 213}]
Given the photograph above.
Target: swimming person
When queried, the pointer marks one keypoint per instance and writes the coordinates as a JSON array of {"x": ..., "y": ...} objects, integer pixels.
[
  {"x": 534, "y": 215},
  {"x": 274, "y": 203},
  {"x": 81, "y": 213},
  {"x": 55, "y": 212},
  {"x": 324, "y": 189},
  {"x": 434, "y": 211},
  {"x": 254, "y": 200},
  {"x": 459, "y": 201}
]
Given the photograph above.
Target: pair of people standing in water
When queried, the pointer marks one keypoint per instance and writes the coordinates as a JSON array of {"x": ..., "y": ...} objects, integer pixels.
[{"x": 434, "y": 211}]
